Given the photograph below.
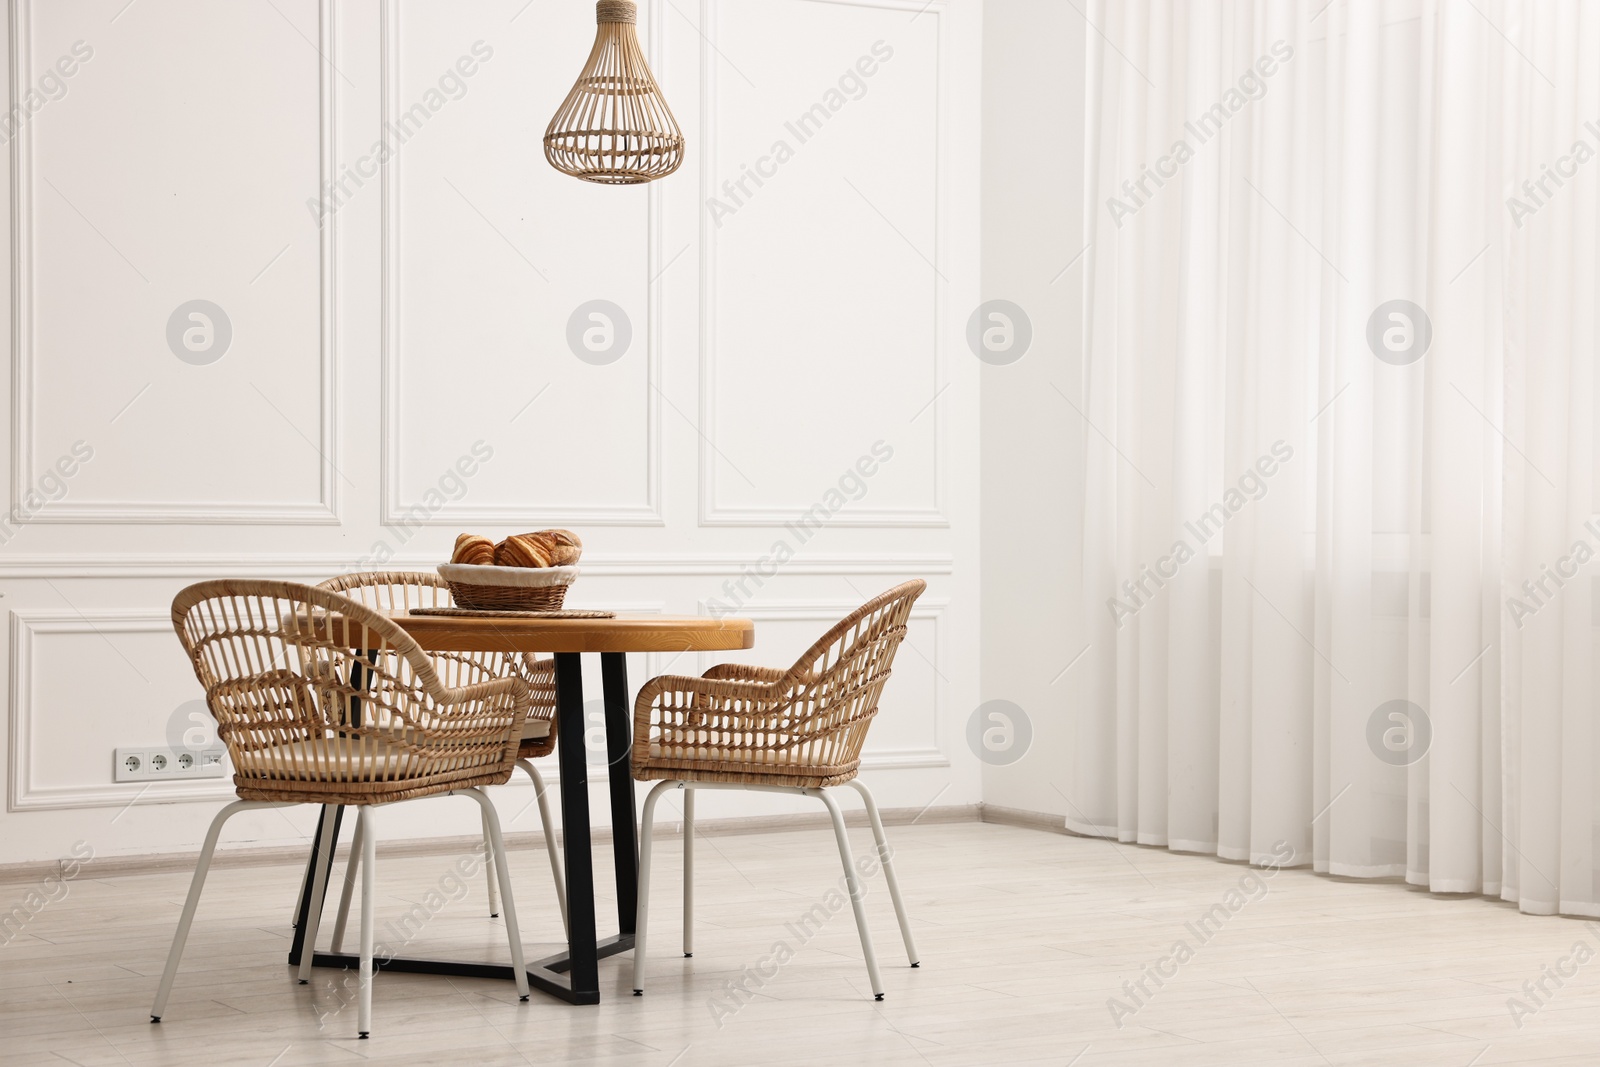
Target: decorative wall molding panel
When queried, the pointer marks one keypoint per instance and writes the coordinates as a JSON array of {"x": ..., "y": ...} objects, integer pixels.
[
  {"x": 193, "y": 441},
  {"x": 564, "y": 443},
  {"x": 33, "y": 726},
  {"x": 901, "y": 397}
]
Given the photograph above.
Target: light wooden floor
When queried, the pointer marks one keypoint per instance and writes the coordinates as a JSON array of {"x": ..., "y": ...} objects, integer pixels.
[{"x": 1025, "y": 936}]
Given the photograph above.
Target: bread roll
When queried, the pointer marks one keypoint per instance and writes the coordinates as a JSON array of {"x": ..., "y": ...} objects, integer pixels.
[
  {"x": 470, "y": 548},
  {"x": 565, "y": 547},
  {"x": 522, "y": 550}
]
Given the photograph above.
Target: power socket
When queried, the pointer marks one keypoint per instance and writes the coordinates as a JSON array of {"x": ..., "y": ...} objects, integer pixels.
[{"x": 160, "y": 763}]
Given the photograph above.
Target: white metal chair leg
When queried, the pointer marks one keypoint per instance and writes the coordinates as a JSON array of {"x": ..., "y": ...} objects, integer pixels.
[
  {"x": 319, "y": 888},
  {"x": 857, "y": 890},
  {"x": 489, "y": 871},
  {"x": 886, "y": 857},
  {"x": 688, "y": 871},
  {"x": 497, "y": 847},
  {"x": 352, "y": 870},
  {"x": 550, "y": 844},
  {"x": 369, "y": 854},
  {"x": 202, "y": 868},
  {"x": 642, "y": 920}
]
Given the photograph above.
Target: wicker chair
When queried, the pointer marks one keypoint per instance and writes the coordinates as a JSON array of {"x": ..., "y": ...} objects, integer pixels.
[
  {"x": 784, "y": 731},
  {"x": 322, "y": 700},
  {"x": 396, "y": 592}
]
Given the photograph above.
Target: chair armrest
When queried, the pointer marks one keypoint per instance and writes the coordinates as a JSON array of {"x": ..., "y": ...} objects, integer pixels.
[
  {"x": 679, "y": 697},
  {"x": 710, "y": 714},
  {"x": 744, "y": 672}
]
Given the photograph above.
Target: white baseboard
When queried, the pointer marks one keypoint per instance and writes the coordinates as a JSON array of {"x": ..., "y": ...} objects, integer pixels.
[{"x": 1029, "y": 820}]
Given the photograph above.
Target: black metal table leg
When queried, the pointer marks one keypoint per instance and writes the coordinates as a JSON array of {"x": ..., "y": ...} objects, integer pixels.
[
  {"x": 303, "y": 915},
  {"x": 624, "y": 815},
  {"x": 582, "y": 953}
]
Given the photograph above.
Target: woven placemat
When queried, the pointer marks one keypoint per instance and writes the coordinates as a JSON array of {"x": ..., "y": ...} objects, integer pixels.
[{"x": 501, "y": 614}]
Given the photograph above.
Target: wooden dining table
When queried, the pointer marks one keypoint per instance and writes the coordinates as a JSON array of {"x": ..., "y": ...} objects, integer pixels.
[{"x": 573, "y": 975}]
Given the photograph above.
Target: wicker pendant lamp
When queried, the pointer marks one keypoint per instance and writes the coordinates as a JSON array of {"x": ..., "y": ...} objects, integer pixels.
[{"x": 614, "y": 126}]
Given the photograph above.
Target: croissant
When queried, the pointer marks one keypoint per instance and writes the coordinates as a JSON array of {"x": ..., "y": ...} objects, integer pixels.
[
  {"x": 522, "y": 550},
  {"x": 470, "y": 548},
  {"x": 559, "y": 545}
]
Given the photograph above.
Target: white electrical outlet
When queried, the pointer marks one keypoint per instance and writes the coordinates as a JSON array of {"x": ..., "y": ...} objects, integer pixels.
[{"x": 168, "y": 764}]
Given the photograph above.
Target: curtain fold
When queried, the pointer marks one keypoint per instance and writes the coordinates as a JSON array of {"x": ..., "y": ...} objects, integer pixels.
[{"x": 1338, "y": 395}]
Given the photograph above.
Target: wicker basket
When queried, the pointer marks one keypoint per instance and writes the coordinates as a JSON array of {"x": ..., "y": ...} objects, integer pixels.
[{"x": 507, "y": 588}]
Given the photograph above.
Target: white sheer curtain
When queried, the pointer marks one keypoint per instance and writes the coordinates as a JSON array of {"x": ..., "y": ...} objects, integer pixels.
[{"x": 1306, "y": 535}]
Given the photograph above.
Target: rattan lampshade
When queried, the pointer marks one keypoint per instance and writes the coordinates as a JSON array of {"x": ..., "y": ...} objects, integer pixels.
[{"x": 614, "y": 126}]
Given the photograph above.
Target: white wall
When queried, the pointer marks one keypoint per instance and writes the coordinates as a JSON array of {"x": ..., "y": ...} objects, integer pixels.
[
  {"x": 776, "y": 336},
  {"x": 1032, "y": 436}
]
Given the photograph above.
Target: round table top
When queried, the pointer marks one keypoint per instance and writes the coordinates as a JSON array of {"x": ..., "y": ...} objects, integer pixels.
[{"x": 621, "y": 633}]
